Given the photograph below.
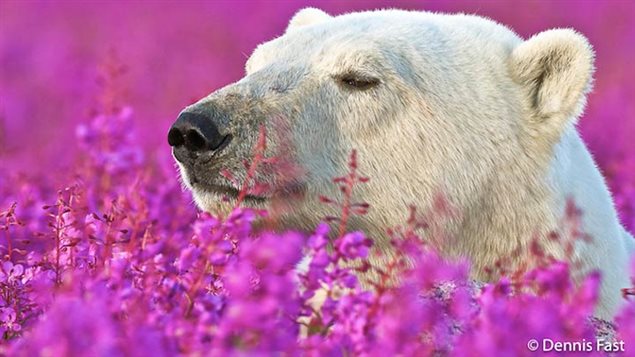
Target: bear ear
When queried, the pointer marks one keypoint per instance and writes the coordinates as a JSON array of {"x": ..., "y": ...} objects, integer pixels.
[
  {"x": 305, "y": 17},
  {"x": 556, "y": 69}
]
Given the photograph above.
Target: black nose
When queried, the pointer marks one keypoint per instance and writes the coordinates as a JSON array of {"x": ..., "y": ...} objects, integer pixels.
[{"x": 196, "y": 132}]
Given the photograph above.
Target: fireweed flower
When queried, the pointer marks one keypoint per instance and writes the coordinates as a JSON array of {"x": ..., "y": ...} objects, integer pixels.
[
  {"x": 11, "y": 272},
  {"x": 8, "y": 320},
  {"x": 263, "y": 300},
  {"x": 353, "y": 245},
  {"x": 507, "y": 319}
]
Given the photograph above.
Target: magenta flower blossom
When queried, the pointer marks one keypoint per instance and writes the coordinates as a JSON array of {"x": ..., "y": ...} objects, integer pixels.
[
  {"x": 8, "y": 321},
  {"x": 11, "y": 272},
  {"x": 354, "y": 245}
]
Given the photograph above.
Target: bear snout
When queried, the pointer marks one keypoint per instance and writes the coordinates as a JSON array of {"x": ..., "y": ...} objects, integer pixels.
[{"x": 197, "y": 133}]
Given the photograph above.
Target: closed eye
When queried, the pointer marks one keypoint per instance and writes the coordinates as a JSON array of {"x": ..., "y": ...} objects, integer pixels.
[{"x": 357, "y": 81}]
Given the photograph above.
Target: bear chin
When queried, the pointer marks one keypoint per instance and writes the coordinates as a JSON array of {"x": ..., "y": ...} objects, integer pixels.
[{"x": 221, "y": 204}]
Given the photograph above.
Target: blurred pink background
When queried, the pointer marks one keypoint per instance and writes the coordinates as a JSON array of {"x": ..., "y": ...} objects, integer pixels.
[{"x": 177, "y": 52}]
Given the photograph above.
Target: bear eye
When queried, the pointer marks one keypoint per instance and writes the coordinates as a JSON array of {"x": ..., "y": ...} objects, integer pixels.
[{"x": 356, "y": 81}]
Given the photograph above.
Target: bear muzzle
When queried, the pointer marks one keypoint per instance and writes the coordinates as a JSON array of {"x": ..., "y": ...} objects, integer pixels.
[
  {"x": 199, "y": 147},
  {"x": 213, "y": 142}
]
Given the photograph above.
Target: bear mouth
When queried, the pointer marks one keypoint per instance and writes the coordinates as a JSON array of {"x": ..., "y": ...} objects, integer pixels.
[
  {"x": 292, "y": 192},
  {"x": 194, "y": 171},
  {"x": 198, "y": 179},
  {"x": 192, "y": 159},
  {"x": 227, "y": 191}
]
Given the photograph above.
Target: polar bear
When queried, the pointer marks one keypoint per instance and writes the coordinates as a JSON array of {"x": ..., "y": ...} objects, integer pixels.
[{"x": 433, "y": 103}]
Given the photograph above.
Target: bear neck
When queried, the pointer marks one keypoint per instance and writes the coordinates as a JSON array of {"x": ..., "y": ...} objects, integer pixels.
[{"x": 529, "y": 201}]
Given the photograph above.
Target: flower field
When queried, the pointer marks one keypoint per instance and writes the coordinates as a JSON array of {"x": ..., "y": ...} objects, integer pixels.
[{"x": 104, "y": 254}]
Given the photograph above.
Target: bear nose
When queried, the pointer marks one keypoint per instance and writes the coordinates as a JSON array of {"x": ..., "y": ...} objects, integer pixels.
[{"x": 197, "y": 132}]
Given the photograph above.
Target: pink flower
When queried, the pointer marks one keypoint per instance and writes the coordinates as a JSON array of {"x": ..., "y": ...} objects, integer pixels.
[
  {"x": 354, "y": 245},
  {"x": 8, "y": 321},
  {"x": 11, "y": 272}
]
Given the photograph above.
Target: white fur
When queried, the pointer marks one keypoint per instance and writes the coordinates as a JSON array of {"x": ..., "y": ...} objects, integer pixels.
[{"x": 464, "y": 107}]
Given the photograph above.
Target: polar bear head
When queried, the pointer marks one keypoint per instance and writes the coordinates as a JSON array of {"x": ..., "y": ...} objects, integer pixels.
[{"x": 432, "y": 103}]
